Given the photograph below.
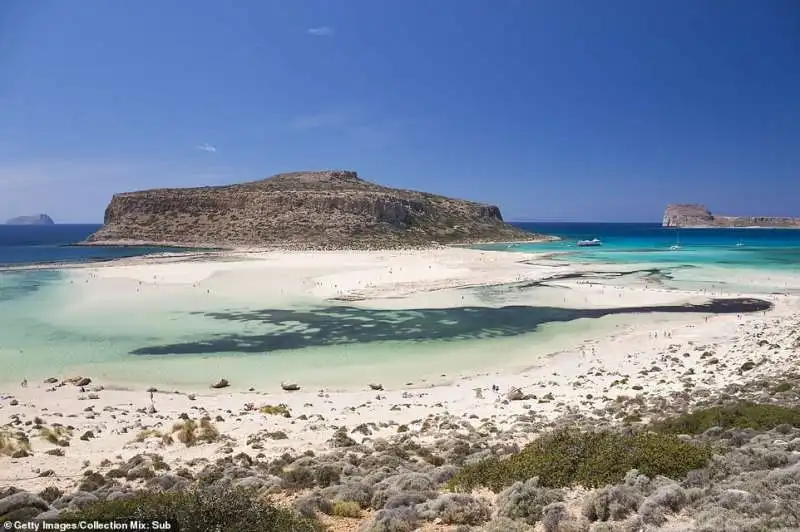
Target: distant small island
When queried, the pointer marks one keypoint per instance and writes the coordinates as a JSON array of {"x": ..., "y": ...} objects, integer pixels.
[
  {"x": 33, "y": 219},
  {"x": 692, "y": 215}
]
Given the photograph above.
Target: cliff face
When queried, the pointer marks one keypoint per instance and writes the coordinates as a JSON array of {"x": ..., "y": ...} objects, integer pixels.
[
  {"x": 34, "y": 219},
  {"x": 329, "y": 209},
  {"x": 693, "y": 215}
]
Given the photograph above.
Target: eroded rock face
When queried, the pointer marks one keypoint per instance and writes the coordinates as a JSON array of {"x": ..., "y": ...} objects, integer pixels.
[
  {"x": 694, "y": 215},
  {"x": 315, "y": 210}
]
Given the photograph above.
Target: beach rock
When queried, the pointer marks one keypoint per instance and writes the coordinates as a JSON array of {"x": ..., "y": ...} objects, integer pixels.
[
  {"x": 50, "y": 380},
  {"x": 222, "y": 383},
  {"x": 82, "y": 381},
  {"x": 168, "y": 482},
  {"x": 79, "y": 499},
  {"x": 330, "y": 209},
  {"x": 21, "y": 506},
  {"x": 50, "y": 515},
  {"x": 515, "y": 394}
]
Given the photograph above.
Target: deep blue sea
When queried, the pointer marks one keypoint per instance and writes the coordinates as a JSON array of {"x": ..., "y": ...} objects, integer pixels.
[
  {"x": 40, "y": 244},
  {"x": 622, "y": 243}
]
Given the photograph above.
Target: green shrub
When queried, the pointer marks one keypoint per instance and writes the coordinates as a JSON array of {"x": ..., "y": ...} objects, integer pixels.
[
  {"x": 591, "y": 459},
  {"x": 739, "y": 415},
  {"x": 276, "y": 410},
  {"x": 189, "y": 432},
  {"x": 223, "y": 510},
  {"x": 346, "y": 509}
]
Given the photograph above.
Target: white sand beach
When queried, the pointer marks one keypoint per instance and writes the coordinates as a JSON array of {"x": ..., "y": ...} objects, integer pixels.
[{"x": 577, "y": 365}]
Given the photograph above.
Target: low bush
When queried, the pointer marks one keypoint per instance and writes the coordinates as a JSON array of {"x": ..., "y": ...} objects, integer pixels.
[
  {"x": 223, "y": 510},
  {"x": 455, "y": 509},
  {"x": 738, "y": 415},
  {"x": 395, "y": 520},
  {"x": 525, "y": 501},
  {"x": 276, "y": 410},
  {"x": 11, "y": 443},
  {"x": 591, "y": 459},
  {"x": 189, "y": 432},
  {"x": 346, "y": 509}
]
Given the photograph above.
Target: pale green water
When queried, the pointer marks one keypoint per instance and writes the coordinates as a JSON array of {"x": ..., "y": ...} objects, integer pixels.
[
  {"x": 182, "y": 336},
  {"x": 116, "y": 329}
]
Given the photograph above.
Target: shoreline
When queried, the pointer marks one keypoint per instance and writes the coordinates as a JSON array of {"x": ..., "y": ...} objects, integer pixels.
[{"x": 615, "y": 360}]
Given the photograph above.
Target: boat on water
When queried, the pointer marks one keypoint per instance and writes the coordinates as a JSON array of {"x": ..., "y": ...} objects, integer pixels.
[
  {"x": 589, "y": 243},
  {"x": 739, "y": 244},
  {"x": 677, "y": 245}
]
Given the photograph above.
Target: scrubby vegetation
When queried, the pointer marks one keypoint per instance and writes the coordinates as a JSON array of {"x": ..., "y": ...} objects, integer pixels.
[
  {"x": 224, "y": 510},
  {"x": 13, "y": 443},
  {"x": 737, "y": 415},
  {"x": 586, "y": 458},
  {"x": 57, "y": 435},
  {"x": 346, "y": 509},
  {"x": 191, "y": 433},
  {"x": 276, "y": 410}
]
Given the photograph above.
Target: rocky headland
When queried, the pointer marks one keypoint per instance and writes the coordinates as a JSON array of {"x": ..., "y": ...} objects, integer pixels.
[
  {"x": 301, "y": 210},
  {"x": 33, "y": 219},
  {"x": 698, "y": 216}
]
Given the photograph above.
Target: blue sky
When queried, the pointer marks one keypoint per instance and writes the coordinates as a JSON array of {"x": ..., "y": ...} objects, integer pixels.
[{"x": 554, "y": 110}]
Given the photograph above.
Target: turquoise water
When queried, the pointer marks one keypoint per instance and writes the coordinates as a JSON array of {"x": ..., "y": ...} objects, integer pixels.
[
  {"x": 58, "y": 322},
  {"x": 765, "y": 249}
]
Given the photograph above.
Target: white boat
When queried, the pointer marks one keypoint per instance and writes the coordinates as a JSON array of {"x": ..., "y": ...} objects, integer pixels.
[
  {"x": 589, "y": 243},
  {"x": 739, "y": 244},
  {"x": 677, "y": 245}
]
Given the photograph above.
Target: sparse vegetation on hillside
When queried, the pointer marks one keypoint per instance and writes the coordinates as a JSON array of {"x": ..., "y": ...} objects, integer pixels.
[
  {"x": 737, "y": 415},
  {"x": 587, "y": 458},
  {"x": 223, "y": 510}
]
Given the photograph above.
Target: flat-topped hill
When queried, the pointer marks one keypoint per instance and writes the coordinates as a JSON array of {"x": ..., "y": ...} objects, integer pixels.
[
  {"x": 694, "y": 215},
  {"x": 312, "y": 210}
]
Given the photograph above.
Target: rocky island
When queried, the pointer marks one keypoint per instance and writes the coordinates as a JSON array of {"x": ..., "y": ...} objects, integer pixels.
[
  {"x": 698, "y": 216},
  {"x": 301, "y": 210},
  {"x": 34, "y": 219}
]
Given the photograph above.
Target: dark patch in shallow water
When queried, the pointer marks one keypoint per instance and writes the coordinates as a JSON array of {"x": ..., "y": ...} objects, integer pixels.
[
  {"x": 349, "y": 325},
  {"x": 17, "y": 284}
]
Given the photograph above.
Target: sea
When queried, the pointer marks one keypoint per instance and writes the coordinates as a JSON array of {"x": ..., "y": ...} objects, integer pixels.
[{"x": 54, "y": 323}]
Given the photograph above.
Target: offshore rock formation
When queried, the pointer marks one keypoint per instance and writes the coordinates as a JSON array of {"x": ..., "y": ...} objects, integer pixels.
[
  {"x": 34, "y": 219},
  {"x": 300, "y": 210},
  {"x": 697, "y": 216}
]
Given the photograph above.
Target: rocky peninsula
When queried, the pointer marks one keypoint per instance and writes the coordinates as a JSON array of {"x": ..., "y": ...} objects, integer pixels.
[
  {"x": 34, "y": 219},
  {"x": 301, "y": 210},
  {"x": 697, "y": 216}
]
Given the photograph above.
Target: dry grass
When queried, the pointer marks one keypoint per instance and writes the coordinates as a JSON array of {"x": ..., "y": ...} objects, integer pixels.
[
  {"x": 190, "y": 432},
  {"x": 346, "y": 509},
  {"x": 275, "y": 410},
  {"x": 56, "y": 434},
  {"x": 11, "y": 443}
]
